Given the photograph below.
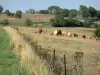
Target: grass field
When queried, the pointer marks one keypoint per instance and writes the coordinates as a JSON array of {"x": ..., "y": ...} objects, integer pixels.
[
  {"x": 9, "y": 63},
  {"x": 68, "y": 46}
]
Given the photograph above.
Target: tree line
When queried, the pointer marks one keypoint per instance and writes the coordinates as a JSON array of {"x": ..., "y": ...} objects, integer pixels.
[{"x": 83, "y": 12}]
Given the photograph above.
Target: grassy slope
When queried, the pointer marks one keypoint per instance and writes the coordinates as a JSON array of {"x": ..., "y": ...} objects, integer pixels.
[{"x": 8, "y": 61}]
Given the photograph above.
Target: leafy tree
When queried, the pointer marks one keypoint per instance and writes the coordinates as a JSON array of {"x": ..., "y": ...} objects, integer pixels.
[
  {"x": 93, "y": 11},
  {"x": 72, "y": 13},
  {"x": 59, "y": 21},
  {"x": 7, "y": 12},
  {"x": 44, "y": 12},
  {"x": 54, "y": 9},
  {"x": 84, "y": 10},
  {"x": 18, "y": 14},
  {"x": 65, "y": 12},
  {"x": 31, "y": 11},
  {"x": 28, "y": 22},
  {"x": 98, "y": 14},
  {"x": 27, "y": 12},
  {"x": 1, "y": 9}
]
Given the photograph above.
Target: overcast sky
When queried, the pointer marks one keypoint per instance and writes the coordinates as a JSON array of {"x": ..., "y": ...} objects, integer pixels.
[{"x": 23, "y": 5}]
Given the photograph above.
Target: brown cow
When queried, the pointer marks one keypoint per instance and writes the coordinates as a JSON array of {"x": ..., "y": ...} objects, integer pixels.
[
  {"x": 75, "y": 35},
  {"x": 57, "y": 32},
  {"x": 64, "y": 33},
  {"x": 84, "y": 36},
  {"x": 39, "y": 30}
]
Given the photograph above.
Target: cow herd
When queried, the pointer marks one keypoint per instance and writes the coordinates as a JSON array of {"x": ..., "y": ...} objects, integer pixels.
[
  {"x": 69, "y": 34},
  {"x": 59, "y": 32}
]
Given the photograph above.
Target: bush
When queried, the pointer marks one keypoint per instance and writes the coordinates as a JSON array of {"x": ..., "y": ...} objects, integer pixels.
[
  {"x": 18, "y": 14},
  {"x": 95, "y": 25},
  {"x": 59, "y": 21},
  {"x": 87, "y": 23},
  {"x": 5, "y": 22},
  {"x": 97, "y": 32},
  {"x": 28, "y": 22}
]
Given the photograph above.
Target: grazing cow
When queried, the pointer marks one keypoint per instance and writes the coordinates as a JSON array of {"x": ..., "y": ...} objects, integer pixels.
[
  {"x": 69, "y": 34},
  {"x": 75, "y": 35},
  {"x": 84, "y": 36},
  {"x": 40, "y": 30},
  {"x": 57, "y": 32},
  {"x": 90, "y": 37},
  {"x": 64, "y": 33},
  {"x": 97, "y": 38}
]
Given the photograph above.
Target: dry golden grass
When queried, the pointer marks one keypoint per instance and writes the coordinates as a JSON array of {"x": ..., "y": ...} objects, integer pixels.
[
  {"x": 68, "y": 46},
  {"x": 27, "y": 55},
  {"x": 33, "y": 17}
]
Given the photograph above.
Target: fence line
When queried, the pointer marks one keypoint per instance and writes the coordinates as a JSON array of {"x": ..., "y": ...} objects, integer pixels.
[{"x": 54, "y": 63}]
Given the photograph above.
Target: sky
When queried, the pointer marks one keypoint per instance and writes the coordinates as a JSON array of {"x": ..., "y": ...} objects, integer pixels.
[{"x": 24, "y": 5}]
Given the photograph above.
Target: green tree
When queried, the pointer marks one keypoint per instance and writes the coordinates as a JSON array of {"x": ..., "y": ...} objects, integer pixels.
[
  {"x": 27, "y": 12},
  {"x": 58, "y": 21},
  {"x": 98, "y": 14},
  {"x": 54, "y": 9},
  {"x": 44, "y": 12},
  {"x": 93, "y": 11},
  {"x": 65, "y": 12},
  {"x": 72, "y": 13},
  {"x": 7, "y": 12},
  {"x": 18, "y": 14},
  {"x": 84, "y": 10},
  {"x": 28, "y": 22},
  {"x": 1, "y": 9},
  {"x": 31, "y": 11}
]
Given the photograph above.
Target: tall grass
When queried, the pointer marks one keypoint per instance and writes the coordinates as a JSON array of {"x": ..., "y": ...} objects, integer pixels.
[{"x": 9, "y": 63}]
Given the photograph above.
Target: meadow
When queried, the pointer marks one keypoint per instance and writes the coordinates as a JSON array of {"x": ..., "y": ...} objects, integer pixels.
[{"x": 9, "y": 62}]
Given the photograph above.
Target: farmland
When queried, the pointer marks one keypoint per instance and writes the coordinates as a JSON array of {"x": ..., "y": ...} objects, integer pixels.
[{"x": 68, "y": 46}]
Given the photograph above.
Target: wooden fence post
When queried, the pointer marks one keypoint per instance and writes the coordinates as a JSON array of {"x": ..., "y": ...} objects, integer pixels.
[
  {"x": 65, "y": 64},
  {"x": 53, "y": 58}
]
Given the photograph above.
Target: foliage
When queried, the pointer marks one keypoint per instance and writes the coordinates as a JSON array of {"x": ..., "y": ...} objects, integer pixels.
[
  {"x": 7, "y": 12},
  {"x": 65, "y": 12},
  {"x": 84, "y": 10},
  {"x": 59, "y": 21},
  {"x": 9, "y": 63},
  {"x": 28, "y": 22},
  {"x": 95, "y": 25},
  {"x": 97, "y": 32},
  {"x": 44, "y": 12},
  {"x": 30, "y": 11},
  {"x": 18, "y": 14},
  {"x": 98, "y": 14},
  {"x": 93, "y": 12},
  {"x": 1, "y": 9},
  {"x": 72, "y": 13},
  {"x": 54, "y": 9},
  {"x": 87, "y": 23},
  {"x": 5, "y": 22}
]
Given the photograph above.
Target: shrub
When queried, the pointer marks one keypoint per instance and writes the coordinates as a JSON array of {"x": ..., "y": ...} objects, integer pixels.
[
  {"x": 5, "y": 22},
  {"x": 28, "y": 22},
  {"x": 59, "y": 21},
  {"x": 97, "y": 32}
]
